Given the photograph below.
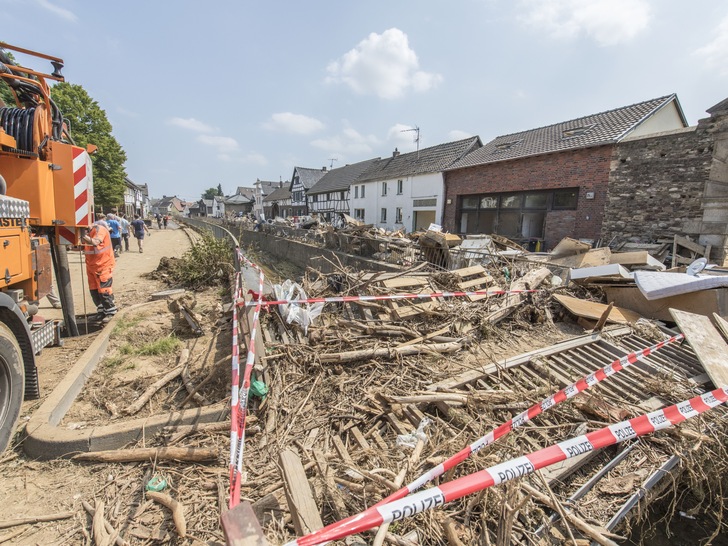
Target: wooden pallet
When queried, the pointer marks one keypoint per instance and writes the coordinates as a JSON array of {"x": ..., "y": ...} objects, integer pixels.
[
  {"x": 473, "y": 279},
  {"x": 402, "y": 309}
]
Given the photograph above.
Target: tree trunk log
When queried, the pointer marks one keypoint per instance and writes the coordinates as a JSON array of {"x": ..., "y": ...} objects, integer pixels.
[
  {"x": 364, "y": 354},
  {"x": 187, "y": 454}
]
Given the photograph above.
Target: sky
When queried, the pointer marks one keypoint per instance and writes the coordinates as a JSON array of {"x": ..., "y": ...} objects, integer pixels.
[{"x": 230, "y": 91}]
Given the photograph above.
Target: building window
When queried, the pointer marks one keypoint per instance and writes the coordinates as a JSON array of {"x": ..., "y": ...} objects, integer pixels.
[
  {"x": 359, "y": 214},
  {"x": 383, "y": 216},
  {"x": 519, "y": 215},
  {"x": 315, "y": 198},
  {"x": 384, "y": 189},
  {"x": 399, "y": 187},
  {"x": 398, "y": 215},
  {"x": 362, "y": 191},
  {"x": 565, "y": 199},
  {"x": 356, "y": 192},
  {"x": 342, "y": 195},
  {"x": 328, "y": 197}
]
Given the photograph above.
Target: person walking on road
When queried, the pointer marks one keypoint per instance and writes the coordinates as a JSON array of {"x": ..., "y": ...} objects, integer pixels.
[
  {"x": 125, "y": 231},
  {"x": 100, "y": 264},
  {"x": 140, "y": 228},
  {"x": 115, "y": 233},
  {"x": 159, "y": 220},
  {"x": 165, "y": 220}
]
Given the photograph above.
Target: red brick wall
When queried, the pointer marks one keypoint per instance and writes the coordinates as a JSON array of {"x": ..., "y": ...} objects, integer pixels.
[{"x": 586, "y": 168}]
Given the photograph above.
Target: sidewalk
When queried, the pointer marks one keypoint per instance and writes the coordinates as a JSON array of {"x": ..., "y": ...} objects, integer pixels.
[{"x": 130, "y": 286}]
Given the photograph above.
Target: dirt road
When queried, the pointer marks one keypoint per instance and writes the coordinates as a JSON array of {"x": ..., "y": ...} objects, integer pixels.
[{"x": 30, "y": 488}]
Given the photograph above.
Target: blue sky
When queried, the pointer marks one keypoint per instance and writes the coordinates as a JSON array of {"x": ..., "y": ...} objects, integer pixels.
[{"x": 201, "y": 93}]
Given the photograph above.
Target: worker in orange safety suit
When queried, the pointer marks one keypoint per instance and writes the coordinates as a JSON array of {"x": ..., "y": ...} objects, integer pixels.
[{"x": 100, "y": 264}]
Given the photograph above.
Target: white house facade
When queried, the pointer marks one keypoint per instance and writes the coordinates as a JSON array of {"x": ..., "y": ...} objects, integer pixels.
[{"x": 405, "y": 192}]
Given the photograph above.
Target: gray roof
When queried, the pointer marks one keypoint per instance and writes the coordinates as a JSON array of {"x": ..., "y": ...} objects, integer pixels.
[
  {"x": 342, "y": 177},
  {"x": 595, "y": 130},
  {"x": 278, "y": 194},
  {"x": 267, "y": 186},
  {"x": 239, "y": 199},
  {"x": 307, "y": 177},
  {"x": 429, "y": 160}
]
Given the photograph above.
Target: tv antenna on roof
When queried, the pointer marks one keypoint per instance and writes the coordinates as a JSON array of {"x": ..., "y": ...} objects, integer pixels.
[
  {"x": 417, "y": 137},
  {"x": 332, "y": 159}
]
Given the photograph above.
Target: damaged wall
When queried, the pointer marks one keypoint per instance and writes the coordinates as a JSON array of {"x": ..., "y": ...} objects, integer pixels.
[{"x": 672, "y": 183}]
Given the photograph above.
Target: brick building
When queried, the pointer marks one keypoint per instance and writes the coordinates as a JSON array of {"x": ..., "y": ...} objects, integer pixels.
[{"x": 548, "y": 183}]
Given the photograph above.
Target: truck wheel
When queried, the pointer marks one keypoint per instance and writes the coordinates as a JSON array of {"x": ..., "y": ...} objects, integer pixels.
[{"x": 12, "y": 384}]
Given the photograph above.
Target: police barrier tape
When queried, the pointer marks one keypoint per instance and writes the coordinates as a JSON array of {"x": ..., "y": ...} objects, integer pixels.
[
  {"x": 515, "y": 468},
  {"x": 522, "y": 418},
  {"x": 239, "y": 398},
  {"x": 382, "y": 297},
  {"x": 234, "y": 398}
]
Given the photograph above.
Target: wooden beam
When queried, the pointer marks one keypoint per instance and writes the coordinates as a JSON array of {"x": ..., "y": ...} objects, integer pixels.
[
  {"x": 304, "y": 512},
  {"x": 706, "y": 341}
]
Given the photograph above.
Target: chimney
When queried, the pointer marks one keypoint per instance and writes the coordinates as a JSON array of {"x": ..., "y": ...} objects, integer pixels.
[
  {"x": 395, "y": 153},
  {"x": 323, "y": 168}
]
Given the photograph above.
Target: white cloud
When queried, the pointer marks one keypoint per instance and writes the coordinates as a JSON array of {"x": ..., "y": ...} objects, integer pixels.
[
  {"x": 192, "y": 124},
  {"x": 383, "y": 65},
  {"x": 224, "y": 145},
  {"x": 715, "y": 53},
  {"x": 293, "y": 123},
  {"x": 61, "y": 12},
  {"x": 348, "y": 142},
  {"x": 608, "y": 22},
  {"x": 457, "y": 134}
]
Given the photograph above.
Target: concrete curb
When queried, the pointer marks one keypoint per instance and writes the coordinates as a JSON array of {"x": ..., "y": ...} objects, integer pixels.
[{"x": 46, "y": 440}]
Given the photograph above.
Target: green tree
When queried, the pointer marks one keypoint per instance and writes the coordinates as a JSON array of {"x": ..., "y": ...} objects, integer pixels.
[
  {"x": 6, "y": 95},
  {"x": 219, "y": 190},
  {"x": 210, "y": 193},
  {"x": 88, "y": 124}
]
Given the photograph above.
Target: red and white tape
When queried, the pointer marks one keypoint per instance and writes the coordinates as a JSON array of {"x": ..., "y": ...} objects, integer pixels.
[
  {"x": 240, "y": 393},
  {"x": 524, "y": 417},
  {"x": 385, "y": 297},
  {"x": 515, "y": 468}
]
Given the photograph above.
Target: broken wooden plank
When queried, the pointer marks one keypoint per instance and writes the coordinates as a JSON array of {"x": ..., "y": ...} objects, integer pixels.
[
  {"x": 594, "y": 311},
  {"x": 304, "y": 512},
  {"x": 359, "y": 437},
  {"x": 706, "y": 341},
  {"x": 568, "y": 247}
]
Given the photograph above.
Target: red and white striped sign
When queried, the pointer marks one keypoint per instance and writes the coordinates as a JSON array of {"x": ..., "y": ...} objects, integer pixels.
[
  {"x": 83, "y": 186},
  {"x": 65, "y": 236},
  {"x": 515, "y": 468}
]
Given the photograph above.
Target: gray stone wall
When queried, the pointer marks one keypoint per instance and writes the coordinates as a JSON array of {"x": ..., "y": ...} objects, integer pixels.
[
  {"x": 714, "y": 228},
  {"x": 656, "y": 187}
]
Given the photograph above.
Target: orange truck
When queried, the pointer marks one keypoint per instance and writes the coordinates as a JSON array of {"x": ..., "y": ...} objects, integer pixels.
[{"x": 46, "y": 204}]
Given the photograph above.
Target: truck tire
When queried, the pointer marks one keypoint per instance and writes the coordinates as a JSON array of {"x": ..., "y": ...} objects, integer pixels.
[{"x": 12, "y": 384}]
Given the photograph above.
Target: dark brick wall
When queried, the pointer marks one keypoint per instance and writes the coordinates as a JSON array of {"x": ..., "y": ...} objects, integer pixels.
[
  {"x": 656, "y": 186},
  {"x": 587, "y": 169}
]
